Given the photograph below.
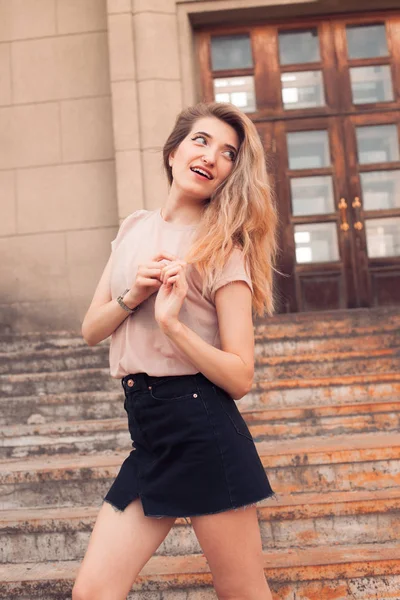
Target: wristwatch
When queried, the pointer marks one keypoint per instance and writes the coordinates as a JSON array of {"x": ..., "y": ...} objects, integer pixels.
[{"x": 124, "y": 306}]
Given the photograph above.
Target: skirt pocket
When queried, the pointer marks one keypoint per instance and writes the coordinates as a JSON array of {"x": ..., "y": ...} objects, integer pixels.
[
  {"x": 173, "y": 389},
  {"x": 229, "y": 406}
]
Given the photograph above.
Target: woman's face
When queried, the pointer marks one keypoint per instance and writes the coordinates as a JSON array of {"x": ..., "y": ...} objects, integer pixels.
[{"x": 212, "y": 145}]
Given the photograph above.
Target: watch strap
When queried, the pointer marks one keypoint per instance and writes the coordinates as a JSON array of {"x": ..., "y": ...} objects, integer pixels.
[{"x": 124, "y": 306}]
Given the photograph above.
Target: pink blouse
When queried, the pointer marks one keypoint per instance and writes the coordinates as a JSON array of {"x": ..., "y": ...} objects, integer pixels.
[{"x": 138, "y": 344}]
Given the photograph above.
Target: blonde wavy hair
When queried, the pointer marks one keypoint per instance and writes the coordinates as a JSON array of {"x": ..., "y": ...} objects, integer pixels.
[{"x": 241, "y": 211}]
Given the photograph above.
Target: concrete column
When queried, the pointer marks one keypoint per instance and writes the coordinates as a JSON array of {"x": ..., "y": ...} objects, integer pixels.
[
  {"x": 125, "y": 109},
  {"x": 146, "y": 96}
]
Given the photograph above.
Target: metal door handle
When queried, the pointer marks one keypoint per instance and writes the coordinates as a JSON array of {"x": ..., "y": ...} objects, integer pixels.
[
  {"x": 344, "y": 226},
  {"x": 356, "y": 204}
]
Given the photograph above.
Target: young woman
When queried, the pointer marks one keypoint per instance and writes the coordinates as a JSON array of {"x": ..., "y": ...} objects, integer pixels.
[{"x": 177, "y": 297}]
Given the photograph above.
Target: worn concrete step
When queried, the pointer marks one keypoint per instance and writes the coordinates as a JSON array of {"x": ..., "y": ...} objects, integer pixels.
[
  {"x": 54, "y": 359},
  {"x": 326, "y": 364},
  {"x": 341, "y": 391},
  {"x": 328, "y": 323},
  {"x": 40, "y": 340},
  {"x": 278, "y": 327},
  {"x": 76, "y": 380},
  {"x": 337, "y": 573},
  {"x": 17, "y": 441},
  {"x": 368, "y": 461},
  {"x": 275, "y": 392},
  {"x": 63, "y": 357},
  {"x": 295, "y": 521},
  {"x": 66, "y": 406},
  {"x": 294, "y": 423},
  {"x": 320, "y": 391},
  {"x": 42, "y": 408},
  {"x": 334, "y": 343}
]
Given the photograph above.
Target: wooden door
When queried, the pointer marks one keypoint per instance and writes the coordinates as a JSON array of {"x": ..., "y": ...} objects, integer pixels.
[{"x": 325, "y": 98}]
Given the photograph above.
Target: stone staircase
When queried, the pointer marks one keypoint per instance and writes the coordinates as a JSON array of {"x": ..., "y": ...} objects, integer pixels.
[{"x": 324, "y": 412}]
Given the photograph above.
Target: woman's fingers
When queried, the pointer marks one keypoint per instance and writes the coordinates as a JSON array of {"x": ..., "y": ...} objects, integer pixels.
[
  {"x": 168, "y": 272},
  {"x": 166, "y": 255}
]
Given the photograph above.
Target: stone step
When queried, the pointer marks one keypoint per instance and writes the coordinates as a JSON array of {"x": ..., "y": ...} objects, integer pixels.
[
  {"x": 77, "y": 380},
  {"x": 42, "y": 408},
  {"x": 320, "y": 391},
  {"x": 368, "y": 461},
  {"x": 295, "y": 521},
  {"x": 335, "y": 572},
  {"x": 63, "y": 357},
  {"x": 318, "y": 324},
  {"x": 294, "y": 423},
  {"x": 325, "y": 364},
  {"x": 57, "y": 359},
  {"x": 17, "y": 441},
  {"x": 334, "y": 343},
  {"x": 91, "y": 380},
  {"x": 54, "y": 359},
  {"x": 329, "y": 323},
  {"x": 71, "y": 353},
  {"x": 41, "y": 340},
  {"x": 66, "y": 406},
  {"x": 341, "y": 391}
]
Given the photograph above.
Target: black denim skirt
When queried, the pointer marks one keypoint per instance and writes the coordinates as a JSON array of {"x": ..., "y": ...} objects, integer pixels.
[{"x": 193, "y": 453}]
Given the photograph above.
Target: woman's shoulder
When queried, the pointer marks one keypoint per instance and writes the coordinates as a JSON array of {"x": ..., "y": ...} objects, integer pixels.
[
  {"x": 136, "y": 215},
  {"x": 129, "y": 222}
]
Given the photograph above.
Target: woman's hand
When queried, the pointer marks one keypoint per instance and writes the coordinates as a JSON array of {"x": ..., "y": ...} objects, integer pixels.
[
  {"x": 172, "y": 293},
  {"x": 148, "y": 278}
]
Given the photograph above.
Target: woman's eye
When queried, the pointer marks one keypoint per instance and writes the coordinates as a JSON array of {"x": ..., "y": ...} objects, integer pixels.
[
  {"x": 196, "y": 137},
  {"x": 199, "y": 136},
  {"x": 232, "y": 155}
]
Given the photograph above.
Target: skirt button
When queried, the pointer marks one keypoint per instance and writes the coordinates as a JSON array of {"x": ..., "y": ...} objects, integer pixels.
[
  {"x": 130, "y": 382},
  {"x": 194, "y": 395}
]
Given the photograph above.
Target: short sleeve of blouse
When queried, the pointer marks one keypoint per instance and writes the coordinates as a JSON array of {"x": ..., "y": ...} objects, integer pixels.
[
  {"x": 234, "y": 270},
  {"x": 125, "y": 227}
]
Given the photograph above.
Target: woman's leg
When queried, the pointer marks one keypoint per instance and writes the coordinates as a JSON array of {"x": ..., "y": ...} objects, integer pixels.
[
  {"x": 120, "y": 545},
  {"x": 231, "y": 542}
]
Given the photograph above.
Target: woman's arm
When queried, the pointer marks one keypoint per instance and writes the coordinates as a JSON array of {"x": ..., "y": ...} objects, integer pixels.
[
  {"x": 104, "y": 315},
  {"x": 232, "y": 367}
]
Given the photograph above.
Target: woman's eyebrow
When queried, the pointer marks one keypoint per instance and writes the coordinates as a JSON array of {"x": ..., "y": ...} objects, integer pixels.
[{"x": 211, "y": 137}]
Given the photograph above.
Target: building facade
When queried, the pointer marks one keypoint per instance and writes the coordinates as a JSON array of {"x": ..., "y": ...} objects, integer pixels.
[{"x": 89, "y": 91}]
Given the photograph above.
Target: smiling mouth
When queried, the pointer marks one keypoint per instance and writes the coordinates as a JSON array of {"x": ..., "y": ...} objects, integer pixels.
[{"x": 198, "y": 172}]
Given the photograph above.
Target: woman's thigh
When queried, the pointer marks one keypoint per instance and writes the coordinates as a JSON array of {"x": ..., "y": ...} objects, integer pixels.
[
  {"x": 120, "y": 545},
  {"x": 231, "y": 542}
]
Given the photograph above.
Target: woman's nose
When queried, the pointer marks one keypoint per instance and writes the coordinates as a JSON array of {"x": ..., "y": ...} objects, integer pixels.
[{"x": 209, "y": 159}]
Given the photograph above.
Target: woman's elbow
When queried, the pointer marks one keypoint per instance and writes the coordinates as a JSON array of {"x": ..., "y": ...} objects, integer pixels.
[{"x": 89, "y": 339}]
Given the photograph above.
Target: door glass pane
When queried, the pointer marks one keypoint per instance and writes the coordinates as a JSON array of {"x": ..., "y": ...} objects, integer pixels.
[
  {"x": 299, "y": 47},
  {"x": 380, "y": 189},
  {"x": 302, "y": 89},
  {"x": 366, "y": 41},
  {"x": 231, "y": 52},
  {"x": 312, "y": 195},
  {"x": 378, "y": 143},
  {"x": 316, "y": 242},
  {"x": 383, "y": 237},
  {"x": 237, "y": 90},
  {"x": 371, "y": 84},
  {"x": 308, "y": 149}
]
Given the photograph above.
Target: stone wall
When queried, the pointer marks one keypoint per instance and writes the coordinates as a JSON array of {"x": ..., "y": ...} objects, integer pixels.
[
  {"x": 89, "y": 91},
  {"x": 58, "y": 208}
]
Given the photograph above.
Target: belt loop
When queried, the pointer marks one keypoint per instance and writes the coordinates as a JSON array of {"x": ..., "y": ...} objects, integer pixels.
[{"x": 146, "y": 380}]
